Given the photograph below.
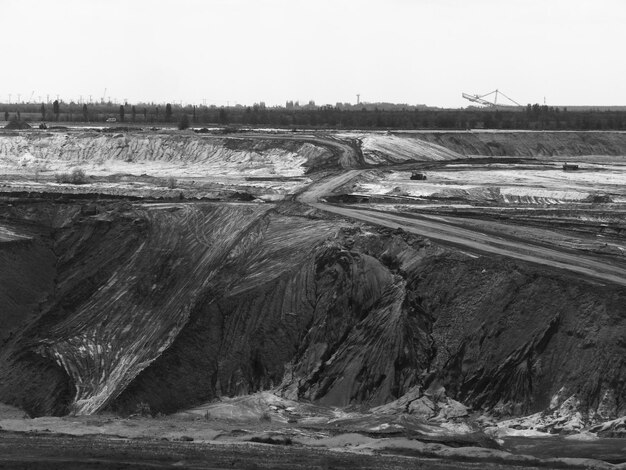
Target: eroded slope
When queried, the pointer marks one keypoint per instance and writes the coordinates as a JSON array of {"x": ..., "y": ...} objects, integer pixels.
[
  {"x": 167, "y": 153},
  {"x": 172, "y": 305}
]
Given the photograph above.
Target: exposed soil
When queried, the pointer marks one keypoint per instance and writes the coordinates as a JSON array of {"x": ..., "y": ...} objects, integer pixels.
[
  {"x": 532, "y": 144},
  {"x": 491, "y": 291},
  {"x": 322, "y": 289}
]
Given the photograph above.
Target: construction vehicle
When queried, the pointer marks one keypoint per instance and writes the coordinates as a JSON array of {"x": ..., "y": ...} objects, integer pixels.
[{"x": 418, "y": 176}]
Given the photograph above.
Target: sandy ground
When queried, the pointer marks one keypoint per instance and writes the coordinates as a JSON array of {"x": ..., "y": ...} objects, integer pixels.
[{"x": 513, "y": 183}]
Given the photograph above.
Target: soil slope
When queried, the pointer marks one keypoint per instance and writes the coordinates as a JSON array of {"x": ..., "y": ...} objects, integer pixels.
[
  {"x": 171, "y": 305},
  {"x": 175, "y": 153},
  {"x": 529, "y": 144}
]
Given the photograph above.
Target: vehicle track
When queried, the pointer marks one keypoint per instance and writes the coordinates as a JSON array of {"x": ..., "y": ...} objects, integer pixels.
[
  {"x": 463, "y": 237},
  {"x": 486, "y": 243},
  {"x": 347, "y": 153}
]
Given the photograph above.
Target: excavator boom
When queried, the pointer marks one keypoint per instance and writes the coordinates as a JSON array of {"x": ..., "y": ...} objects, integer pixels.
[{"x": 480, "y": 99}]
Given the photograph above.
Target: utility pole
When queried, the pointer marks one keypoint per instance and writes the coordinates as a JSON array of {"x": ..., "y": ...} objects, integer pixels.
[{"x": 358, "y": 99}]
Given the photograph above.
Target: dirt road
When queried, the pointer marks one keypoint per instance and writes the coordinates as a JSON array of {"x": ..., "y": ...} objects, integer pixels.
[
  {"x": 322, "y": 188},
  {"x": 463, "y": 237},
  {"x": 347, "y": 155},
  {"x": 486, "y": 243}
]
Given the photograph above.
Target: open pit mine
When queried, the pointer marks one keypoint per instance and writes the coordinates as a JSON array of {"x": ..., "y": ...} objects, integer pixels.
[{"x": 300, "y": 288}]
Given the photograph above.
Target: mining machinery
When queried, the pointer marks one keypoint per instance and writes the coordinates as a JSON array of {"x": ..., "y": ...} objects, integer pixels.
[{"x": 480, "y": 99}]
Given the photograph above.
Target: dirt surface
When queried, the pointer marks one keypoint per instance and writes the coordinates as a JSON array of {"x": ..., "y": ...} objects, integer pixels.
[
  {"x": 475, "y": 240},
  {"x": 169, "y": 164},
  {"x": 326, "y": 186},
  {"x": 528, "y": 244},
  {"x": 487, "y": 298},
  {"x": 196, "y": 439},
  {"x": 357, "y": 314},
  {"x": 20, "y": 451},
  {"x": 529, "y": 143}
]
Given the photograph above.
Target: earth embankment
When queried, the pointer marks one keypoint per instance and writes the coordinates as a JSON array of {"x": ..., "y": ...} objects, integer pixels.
[
  {"x": 171, "y": 305},
  {"x": 166, "y": 152},
  {"x": 529, "y": 144}
]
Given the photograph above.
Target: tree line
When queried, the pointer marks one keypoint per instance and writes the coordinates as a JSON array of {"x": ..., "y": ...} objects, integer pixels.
[{"x": 531, "y": 117}]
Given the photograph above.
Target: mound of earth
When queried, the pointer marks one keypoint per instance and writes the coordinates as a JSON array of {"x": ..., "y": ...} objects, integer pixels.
[{"x": 16, "y": 124}]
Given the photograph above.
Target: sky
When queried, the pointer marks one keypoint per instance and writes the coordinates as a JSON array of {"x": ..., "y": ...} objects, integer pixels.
[{"x": 223, "y": 52}]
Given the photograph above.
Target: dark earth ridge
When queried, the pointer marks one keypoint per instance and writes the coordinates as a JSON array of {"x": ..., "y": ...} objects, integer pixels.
[{"x": 329, "y": 313}]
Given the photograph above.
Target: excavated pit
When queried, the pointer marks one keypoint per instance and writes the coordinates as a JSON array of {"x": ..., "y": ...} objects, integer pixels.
[
  {"x": 117, "y": 306},
  {"x": 203, "y": 279}
]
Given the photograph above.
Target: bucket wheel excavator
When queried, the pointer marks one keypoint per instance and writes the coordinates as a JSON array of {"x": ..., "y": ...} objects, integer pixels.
[{"x": 480, "y": 99}]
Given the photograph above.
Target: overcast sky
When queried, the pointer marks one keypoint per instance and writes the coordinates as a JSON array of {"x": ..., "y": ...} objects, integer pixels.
[{"x": 246, "y": 51}]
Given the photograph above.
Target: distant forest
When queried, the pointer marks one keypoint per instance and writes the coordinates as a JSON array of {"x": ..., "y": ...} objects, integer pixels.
[{"x": 365, "y": 116}]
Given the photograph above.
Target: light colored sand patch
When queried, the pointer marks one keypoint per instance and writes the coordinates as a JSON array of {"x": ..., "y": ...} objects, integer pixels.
[
  {"x": 583, "y": 436},
  {"x": 342, "y": 440},
  {"x": 503, "y": 186},
  {"x": 380, "y": 149},
  {"x": 259, "y": 406},
  {"x": 514, "y": 193},
  {"x": 9, "y": 235},
  {"x": 580, "y": 178}
]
